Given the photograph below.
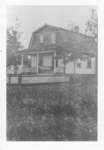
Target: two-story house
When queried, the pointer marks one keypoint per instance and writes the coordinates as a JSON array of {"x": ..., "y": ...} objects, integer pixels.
[{"x": 54, "y": 50}]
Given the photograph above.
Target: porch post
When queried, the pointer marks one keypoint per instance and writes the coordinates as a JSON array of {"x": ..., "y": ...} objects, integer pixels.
[
  {"x": 54, "y": 62},
  {"x": 37, "y": 63},
  {"x": 64, "y": 65},
  {"x": 22, "y": 60}
]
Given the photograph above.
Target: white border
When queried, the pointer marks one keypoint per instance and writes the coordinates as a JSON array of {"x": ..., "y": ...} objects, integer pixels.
[{"x": 52, "y": 145}]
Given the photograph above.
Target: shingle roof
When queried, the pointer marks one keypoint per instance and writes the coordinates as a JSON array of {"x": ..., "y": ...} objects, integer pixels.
[
  {"x": 41, "y": 47},
  {"x": 76, "y": 42},
  {"x": 50, "y": 48},
  {"x": 61, "y": 28}
]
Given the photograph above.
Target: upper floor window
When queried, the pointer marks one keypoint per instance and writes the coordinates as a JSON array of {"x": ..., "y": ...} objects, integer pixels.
[
  {"x": 47, "y": 38},
  {"x": 41, "y": 38},
  {"x": 53, "y": 38}
]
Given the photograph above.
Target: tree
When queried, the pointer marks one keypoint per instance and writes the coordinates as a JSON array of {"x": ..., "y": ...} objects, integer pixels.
[
  {"x": 74, "y": 27},
  {"x": 13, "y": 44},
  {"x": 92, "y": 24}
]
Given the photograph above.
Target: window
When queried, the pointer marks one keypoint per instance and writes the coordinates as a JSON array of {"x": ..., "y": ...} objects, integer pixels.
[
  {"x": 53, "y": 38},
  {"x": 45, "y": 63},
  {"x": 27, "y": 61},
  {"x": 78, "y": 65},
  {"x": 41, "y": 38},
  {"x": 33, "y": 61},
  {"x": 84, "y": 58},
  {"x": 60, "y": 62},
  {"x": 89, "y": 62}
]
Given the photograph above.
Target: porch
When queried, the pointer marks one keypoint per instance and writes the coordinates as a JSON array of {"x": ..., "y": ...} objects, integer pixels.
[{"x": 41, "y": 62}]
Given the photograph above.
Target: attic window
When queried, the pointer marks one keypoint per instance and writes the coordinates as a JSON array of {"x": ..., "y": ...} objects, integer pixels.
[
  {"x": 53, "y": 38},
  {"x": 41, "y": 38}
]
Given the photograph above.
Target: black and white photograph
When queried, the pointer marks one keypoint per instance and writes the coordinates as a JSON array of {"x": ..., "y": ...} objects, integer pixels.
[{"x": 51, "y": 73}]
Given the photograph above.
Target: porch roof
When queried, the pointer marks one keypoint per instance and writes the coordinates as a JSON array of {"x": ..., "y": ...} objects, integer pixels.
[
  {"x": 56, "y": 48},
  {"x": 41, "y": 49}
]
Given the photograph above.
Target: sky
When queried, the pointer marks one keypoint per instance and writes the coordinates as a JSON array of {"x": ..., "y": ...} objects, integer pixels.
[{"x": 31, "y": 18}]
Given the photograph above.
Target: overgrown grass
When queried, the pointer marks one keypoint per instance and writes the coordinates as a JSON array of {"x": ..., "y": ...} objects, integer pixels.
[{"x": 52, "y": 112}]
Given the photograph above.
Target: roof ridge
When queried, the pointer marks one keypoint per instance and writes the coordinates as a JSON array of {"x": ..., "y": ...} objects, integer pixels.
[{"x": 58, "y": 27}]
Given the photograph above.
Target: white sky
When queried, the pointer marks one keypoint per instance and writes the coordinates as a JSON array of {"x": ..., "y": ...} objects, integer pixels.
[{"x": 32, "y": 17}]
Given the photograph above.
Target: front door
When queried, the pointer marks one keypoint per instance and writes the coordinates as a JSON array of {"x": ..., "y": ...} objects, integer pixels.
[{"x": 46, "y": 63}]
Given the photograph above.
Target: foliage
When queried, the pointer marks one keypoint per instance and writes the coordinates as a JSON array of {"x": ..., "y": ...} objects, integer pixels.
[
  {"x": 92, "y": 24},
  {"x": 13, "y": 44},
  {"x": 59, "y": 112}
]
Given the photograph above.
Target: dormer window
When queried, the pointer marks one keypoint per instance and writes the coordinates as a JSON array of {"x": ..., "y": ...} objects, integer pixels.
[
  {"x": 41, "y": 38},
  {"x": 53, "y": 38}
]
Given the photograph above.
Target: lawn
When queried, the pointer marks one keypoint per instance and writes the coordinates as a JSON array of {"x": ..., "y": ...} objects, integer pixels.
[{"x": 52, "y": 112}]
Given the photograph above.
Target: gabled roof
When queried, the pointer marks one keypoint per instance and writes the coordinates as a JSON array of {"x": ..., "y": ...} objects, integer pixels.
[
  {"x": 60, "y": 28},
  {"x": 74, "y": 42}
]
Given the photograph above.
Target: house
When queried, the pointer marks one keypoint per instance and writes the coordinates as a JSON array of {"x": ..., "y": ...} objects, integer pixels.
[{"x": 54, "y": 50}]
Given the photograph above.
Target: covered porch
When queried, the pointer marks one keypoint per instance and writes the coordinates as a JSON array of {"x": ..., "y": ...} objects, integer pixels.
[{"x": 41, "y": 62}]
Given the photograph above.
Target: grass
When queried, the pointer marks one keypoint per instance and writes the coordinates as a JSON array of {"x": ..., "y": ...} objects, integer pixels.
[{"x": 52, "y": 112}]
